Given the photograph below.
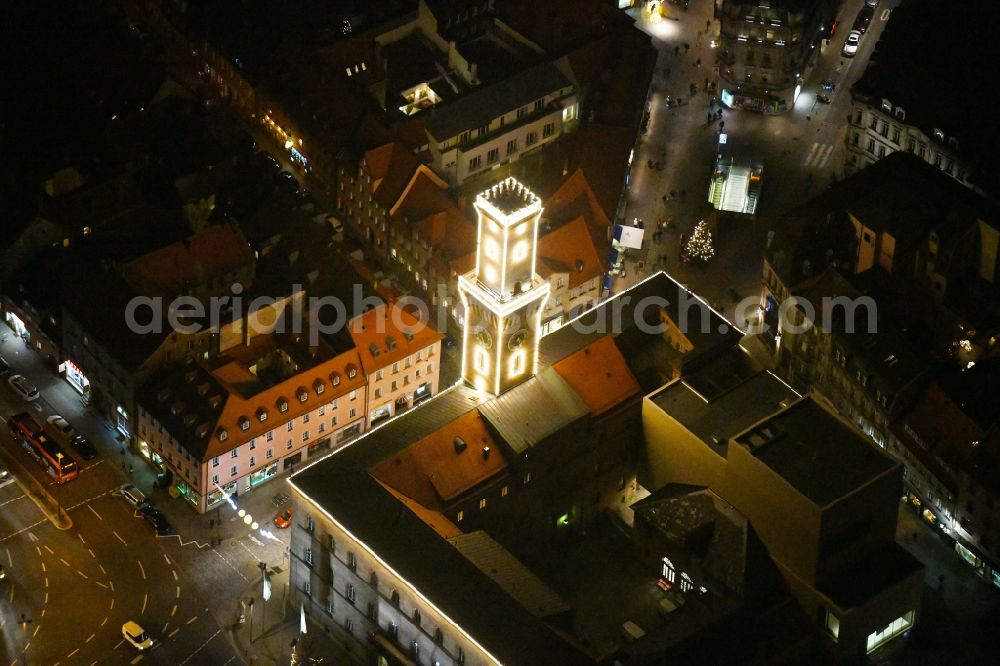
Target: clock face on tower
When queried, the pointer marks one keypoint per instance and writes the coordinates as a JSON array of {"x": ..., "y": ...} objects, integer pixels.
[
  {"x": 517, "y": 339},
  {"x": 485, "y": 340}
]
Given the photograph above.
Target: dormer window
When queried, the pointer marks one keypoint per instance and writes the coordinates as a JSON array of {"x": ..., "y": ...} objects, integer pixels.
[
  {"x": 282, "y": 405},
  {"x": 261, "y": 414},
  {"x": 900, "y": 113},
  {"x": 887, "y": 105},
  {"x": 302, "y": 394},
  {"x": 938, "y": 134},
  {"x": 352, "y": 371},
  {"x": 319, "y": 386},
  {"x": 189, "y": 419},
  {"x": 222, "y": 434},
  {"x": 390, "y": 342},
  {"x": 335, "y": 378},
  {"x": 244, "y": 423}
]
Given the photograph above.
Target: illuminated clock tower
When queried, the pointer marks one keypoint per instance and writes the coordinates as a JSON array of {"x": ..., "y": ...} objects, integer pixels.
[{"x": 502, "y": 295}]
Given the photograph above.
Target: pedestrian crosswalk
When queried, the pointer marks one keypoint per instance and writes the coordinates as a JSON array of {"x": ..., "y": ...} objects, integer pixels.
[{"x": 819, "y": 155}]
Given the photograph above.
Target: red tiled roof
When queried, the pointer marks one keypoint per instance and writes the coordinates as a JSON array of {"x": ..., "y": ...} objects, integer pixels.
[
  {"x": 236, "y": 408},
  {"x": 393, "y": 332},
  {"x": 207, "y": 255},
  {"x": 599, "y": 375},
  {"x": 433, "y": 473},
  {"x": 569, "y": 249},
  {"x": 391, "y": 167},
  {"x": 427, "y": 208}
]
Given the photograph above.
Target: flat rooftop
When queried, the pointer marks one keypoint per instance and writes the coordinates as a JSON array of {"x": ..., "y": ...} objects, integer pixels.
[
  {"x": 815, "y": 452},
  {"x": 724, "y": 398}
]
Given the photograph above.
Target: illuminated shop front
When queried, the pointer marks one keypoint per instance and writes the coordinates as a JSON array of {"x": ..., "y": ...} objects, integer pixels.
[
  {"x": 15, "y": 323},
  {"x": 878, "y": 638},
  {"x": 149, "y": 454},
  {"x": 292, "y": 144},
  {"x": 74, "y": 376},
  {"x": 122, "y": 421},
  {"x": 185, "y": 491},
  {"x": 218, "y": 495},
  {"x": 261, "y": 475}
]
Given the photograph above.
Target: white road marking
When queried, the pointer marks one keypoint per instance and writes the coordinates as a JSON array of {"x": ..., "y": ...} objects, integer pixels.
[
  {"x": 82, "y": 574},
  {"x": 884, "y": 16},
  {"x": 102, "y": 584},
  {"x": 111, "y": 584},
  {"x": 43, "y": 613},
  {"x": 89, "y": 550},
  {"x": 173, "y": 610},
  {"x": 82, "y": 540},
  {"x": 141, "y": 570},
  {"x": 90, "y": 638},
  {"x": 44, "y": 569},
  {"x": 46, "y": 597},
  {"x": 112, "y": 607},
  {"x": 35, "y": 632},
  {"x": 70, "y": 655},
  {"x": 46, "y": 581},
  {"x": 201, "y": 647},
  {"x": 174, "y": 571},
  {"x": 192, "y": 620},
  {"x": 119, "y": 537},
  {"x": 145, "y": 598},
  {"x": 137, "y": 659},
  {"x": 104, "y": 621},
  {"x": 102, "y": 569},
  {"x": 173, "y": 633},
  {"x": 31, "y": 535},
  {"x": 10, "y": 560},
  {"x": 166, "y": 559},
  {"x": 13, "y": 499},
  {"x": 178, "y": 592},
  {"x": 51, "y": 552},
  {"x": 94, "y": 512}
]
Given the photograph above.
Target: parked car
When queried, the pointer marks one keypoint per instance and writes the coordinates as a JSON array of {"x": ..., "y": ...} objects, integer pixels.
[
  {"x": 4, "y": 474},
  {"x": 285, "y": 182},
  {"x": 132, "y": 495},
  {"x": 4, "y": 367},
  {"x": 871, "y": 3},
  {"x": 826, "y": 84},
  {"x": 284, "y": 519},
  {"x": 23, "y": 387},
  {"x": 156, "y": 519},
  {"x": 62, "y": 427},
  {"x": 3, "y": 574},
  {"x": 136, "y": 636},
  {"x": 864, "y": 19},
  {"x": 84, "y": 447},
  {"x": 852, "y": 42}
]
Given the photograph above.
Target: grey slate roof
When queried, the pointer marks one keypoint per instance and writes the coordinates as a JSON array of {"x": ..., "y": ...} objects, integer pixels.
[
  {"x": 478, "y": 108},
  {"x": 510, "y": 573},
  {"x": 528, "y": 413}
]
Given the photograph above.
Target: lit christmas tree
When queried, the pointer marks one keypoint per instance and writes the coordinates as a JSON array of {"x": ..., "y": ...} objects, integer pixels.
[{"x": 699, "y": 246}]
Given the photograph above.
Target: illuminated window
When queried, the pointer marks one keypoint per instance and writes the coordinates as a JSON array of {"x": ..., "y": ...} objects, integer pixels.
[
  {"x": 890, "y": 631},
  {"x": 482, "y": 361},
  {"x": 520, "y": 250},
  {"x": 482, "y": 503},
  {"x": 516, "y": 364},
  {"x": 492, "y": 249},
  {"x": 491, "y": 274},
  {"x": 832, "y": 625},
  {"x": 668, "y": 570}
]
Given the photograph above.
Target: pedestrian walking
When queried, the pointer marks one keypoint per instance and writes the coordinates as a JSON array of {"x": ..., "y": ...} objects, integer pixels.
[
  {"x": 709, "y": 121},
  {"x": 722, "y": 123},
  {"x": 130, "y": 470},
  {"x": 677, "y": 50},
  {"x": 687, "y": 47},
  {"x": 708, "y": 24},
  {"x": 664, "y": 197},
  {"x": 705, "y": 85},
  {"x": 697, "y": 63}
]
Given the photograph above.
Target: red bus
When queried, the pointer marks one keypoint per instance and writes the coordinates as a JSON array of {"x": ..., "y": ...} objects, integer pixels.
[{"x": 60, "y": 465}]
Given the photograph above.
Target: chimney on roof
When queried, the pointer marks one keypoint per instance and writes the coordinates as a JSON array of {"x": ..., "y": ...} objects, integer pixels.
[
  {"x": 579, "y": 265},
  {"x": 460, "y": 445}
]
